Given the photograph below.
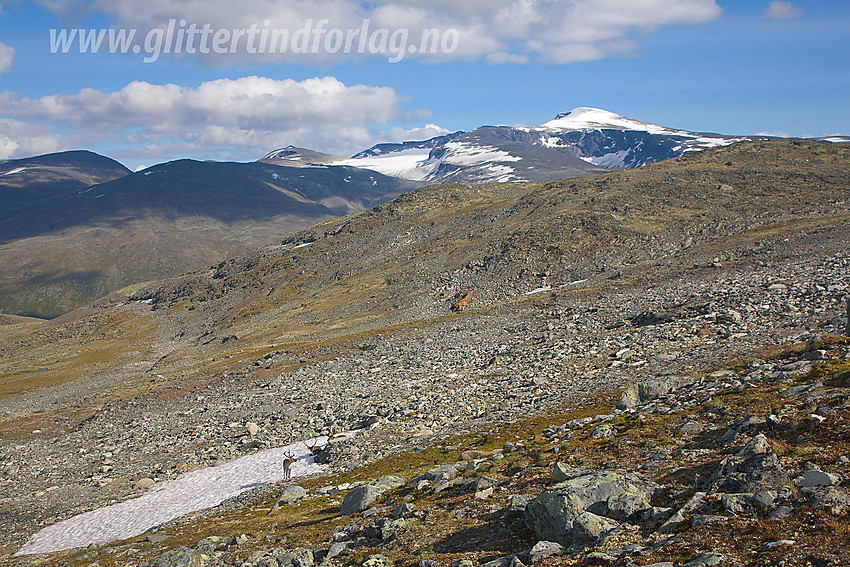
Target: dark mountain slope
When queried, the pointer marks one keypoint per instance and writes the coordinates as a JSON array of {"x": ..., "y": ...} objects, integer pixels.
[{"x": 170, "y": 218}]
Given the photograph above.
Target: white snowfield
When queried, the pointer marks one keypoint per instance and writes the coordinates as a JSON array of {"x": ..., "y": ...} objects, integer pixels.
[
  {"x": 164, "y": 501},
  {"x": 586, "y": 118},
  {"x": 410, "y": 164}
]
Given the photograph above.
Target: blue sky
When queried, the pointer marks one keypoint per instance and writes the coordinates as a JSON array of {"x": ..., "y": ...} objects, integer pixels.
[{"x": 743, "y": 67}]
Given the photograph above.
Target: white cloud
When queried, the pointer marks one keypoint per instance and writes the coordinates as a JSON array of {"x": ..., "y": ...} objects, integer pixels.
[
  {"x": 398, "y": 134},
  {"x": 499, "y": 31},
  {"x": 20, "y": 138},
  {"x": 7, "y": 54},
  {"x": 781, "y": 10},
  {"x": 222, "y": 119},
  {"x": 777, "y": 134}
]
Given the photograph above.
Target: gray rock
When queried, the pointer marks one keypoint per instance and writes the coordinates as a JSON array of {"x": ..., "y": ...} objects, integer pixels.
[
  {"x": 289, "y": 495},
  {"x": 402, "y": 510},
  {"x": 611, "y": 493},
  {"x": 336, "y": 550},
  {"x": 737, "y": 503},
  {"x": 261, "y": 559},
  {"x": 144, "y": 483},
  {"x": 812, "y": 478},
  {"x": 543, "y": 550},
  {"x": 702, "y": 520},
  {"x": 183, "y": 557},
  {"x": 440, "y": 473},
  {"x": 707, "y": 560},
  {"x": 757, "y": 446},
  {"x": 562, "y": 472},
  {"x": 602, "y": 431},
  {"x": 359, "y": 499},
  {"x": 692, "y": 426},
  {"x": 587, "y": 527},
  {"x": 376, "y": 561},
  {"x": 629, "y": 399},
  {"x": 429, "y": 563},
  {"x": 681, "y": 515},
  {"x": 388, "y": 482},
  {"x": 517, "y": 505}
]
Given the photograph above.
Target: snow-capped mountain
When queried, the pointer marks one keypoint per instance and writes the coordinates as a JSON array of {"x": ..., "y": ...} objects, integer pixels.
[
  {"x": 580, "y": 142},
  {"x": 613, "y": 141}
]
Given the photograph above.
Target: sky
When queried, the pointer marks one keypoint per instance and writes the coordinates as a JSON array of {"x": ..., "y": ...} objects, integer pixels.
[{"x": 226, "y": 80}]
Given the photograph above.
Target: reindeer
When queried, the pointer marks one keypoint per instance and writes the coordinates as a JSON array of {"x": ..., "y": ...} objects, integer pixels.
[
  {"x": 313, "y": 447},
  {"x": 288, "y": 460},
  {"x": 464, "y": 301}
]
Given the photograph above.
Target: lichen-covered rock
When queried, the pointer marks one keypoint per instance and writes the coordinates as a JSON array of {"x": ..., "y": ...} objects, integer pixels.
[
  {"x": 296, "y": 558},
  {"x": 610, "y": 493},
  {"x": 543, "y": 550},
  {"x": 289, "y": 495},
  {"x": 183, "y": 557},
  {"x": 260, "y": 559},
  {"x": 681, "y": 516},
  {"x": 376, "y": 561},
  {"x": 707, "y": 560},
  {"x": 359, "y": 499},
  {"x": 587, "y": 527},
  {"x": 602, "y": 431},
  {"x": 388, "y": 482},
  {"x": 385, "y": 529}
]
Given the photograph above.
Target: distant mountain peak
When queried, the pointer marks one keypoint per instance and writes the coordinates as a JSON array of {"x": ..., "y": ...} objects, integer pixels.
[{"x": 589, "y": 118}]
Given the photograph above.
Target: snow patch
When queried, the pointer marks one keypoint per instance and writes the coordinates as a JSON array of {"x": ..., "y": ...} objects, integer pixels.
[
  {"x": 14, "y": 171},
  {"x": 165, "y": 501},
  {"x": 409, "y": 164},
  {"x": 587, "y": 118},
  {"x": 462, "y": 153},
  {"x": 614, "y": 160}
]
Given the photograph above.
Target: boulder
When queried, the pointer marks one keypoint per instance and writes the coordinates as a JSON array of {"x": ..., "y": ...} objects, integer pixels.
[
  {"x": 289, "y": 495},
  {"x": 681, "y": 515},
  {"x": 760, "y": 472},
  {"x": 543, "y": 550},
  {"x": 144, "y": 483},
  {"x": 183, "y": 557},
  {"x": 637, "y": 394},
  {"x": 359, "y": 499},
  {"x": 602, "y": 431},
  {"x": 707, "y": 560},
  {"x": 610, "y": 493},
  {"x": 587, "y": 527},
  {"x": 812, "y": 478}
]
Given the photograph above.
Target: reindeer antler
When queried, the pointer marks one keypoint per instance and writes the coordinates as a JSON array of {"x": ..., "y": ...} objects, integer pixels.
[{"x": 314, "y": 447}]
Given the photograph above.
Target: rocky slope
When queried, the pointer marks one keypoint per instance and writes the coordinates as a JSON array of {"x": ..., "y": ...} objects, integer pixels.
[{"x": 705, "y": 279}]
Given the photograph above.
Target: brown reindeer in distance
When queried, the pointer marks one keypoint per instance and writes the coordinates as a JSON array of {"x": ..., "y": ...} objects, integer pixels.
[
  {"x": 464, "y": 301},
  {"x": 313, "y": 447},
  {"x": 288, "y": 460}
]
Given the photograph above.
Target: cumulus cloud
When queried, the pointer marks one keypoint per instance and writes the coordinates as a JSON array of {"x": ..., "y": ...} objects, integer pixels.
[
  {"x": 6, "y": 56},
  {"x": 781, "y": 10},
  {"x": 223, "y": 119},
  {"x": 499, "y": 31}
]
